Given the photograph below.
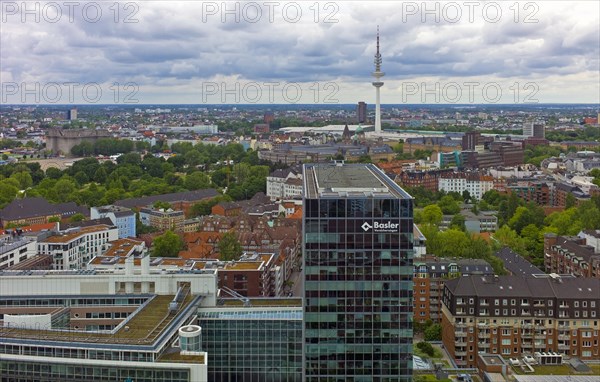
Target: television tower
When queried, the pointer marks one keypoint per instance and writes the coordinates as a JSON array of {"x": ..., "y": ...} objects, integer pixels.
[{"x": 377, "y": 83}]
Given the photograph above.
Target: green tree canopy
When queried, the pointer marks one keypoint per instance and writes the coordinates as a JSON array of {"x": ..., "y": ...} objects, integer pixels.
[
  {"x": 229, "y": 247},
  {"x": 169, "y": 244}
]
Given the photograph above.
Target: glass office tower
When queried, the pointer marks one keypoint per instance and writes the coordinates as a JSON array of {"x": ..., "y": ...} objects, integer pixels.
[{"x": 358, "y": 249}]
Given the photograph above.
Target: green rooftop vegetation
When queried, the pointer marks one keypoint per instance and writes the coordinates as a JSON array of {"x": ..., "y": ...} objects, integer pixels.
[
  {"x": 557, "y": 370},
  {"x": 143, "y": 328},
  {"x": 178, "y": 357}
]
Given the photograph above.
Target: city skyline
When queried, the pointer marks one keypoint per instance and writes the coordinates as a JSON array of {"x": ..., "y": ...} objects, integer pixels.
[{"x": 178, "y": 52}]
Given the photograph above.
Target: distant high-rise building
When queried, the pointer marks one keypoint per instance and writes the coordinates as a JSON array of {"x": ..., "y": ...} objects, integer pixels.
[
  {"x": 470, "y": 140},
  {"x": 361, "y": 112},
  {"x": 72, "y": 114},
  {"x": 378, "y": 84},
  {"x": 358, "y": 256},
  {"x": 534, "y": 129},
  {"x": 268, "y": 117}
]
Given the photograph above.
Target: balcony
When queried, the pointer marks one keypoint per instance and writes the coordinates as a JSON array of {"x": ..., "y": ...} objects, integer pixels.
[
  {"x": 460, "y": 343},
  {"x": 460, "y": 354},
  {"x": 460, "y": 334},
  {"x": 564, "y": 337},
  {"x": 484, "y": 335},
  {"x": 563, "y": 347}
]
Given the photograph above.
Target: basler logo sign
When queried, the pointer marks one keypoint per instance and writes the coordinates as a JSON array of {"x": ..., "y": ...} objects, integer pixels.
[{"x": 380, "y": 226}]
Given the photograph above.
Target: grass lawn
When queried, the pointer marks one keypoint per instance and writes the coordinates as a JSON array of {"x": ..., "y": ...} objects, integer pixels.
[
  {"x": 557, "y": 370},
  {"x": 429, "y": 378}
]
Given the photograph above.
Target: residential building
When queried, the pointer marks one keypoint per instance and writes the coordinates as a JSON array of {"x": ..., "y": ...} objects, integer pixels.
[
  {"x": 16, "y": 248},
  {"x": 182, "y": 201},
  {"x": 474, "y": 182},
  {"x": 37, "y": 210},
  {"x": 571, "y": 255},
  {"x": 516, "y": 264},
  {"x": 73, "y": 248},
  {"x": 426, "y": 179},
  {"x": 162, "y": 219},
  {"x": 514, "y": 315},
  {"x": 123, "y": 218},
  {"x": 284, "y": 184},
  {"x": 429, "y": 275},
  {"x": 358, "y": 252}
]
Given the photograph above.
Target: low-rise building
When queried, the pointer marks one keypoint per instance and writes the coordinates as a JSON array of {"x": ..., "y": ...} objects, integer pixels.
[
  {"x": 73, "y": 248},
  {"x": 122, "y": 217},
  {"x": 37, "y": 210},
  {"x": 162, "y": 219},
  {"x": 16, "y": 248}
]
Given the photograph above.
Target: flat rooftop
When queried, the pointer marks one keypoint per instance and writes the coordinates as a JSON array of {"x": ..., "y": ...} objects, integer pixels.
[
  {"x": 67, "y": 237},
  {"x": 347, "y": 180},
  {"x": 143, "y": 328}
]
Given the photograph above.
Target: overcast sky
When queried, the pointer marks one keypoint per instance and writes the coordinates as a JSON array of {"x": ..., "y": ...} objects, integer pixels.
[{"x": 192, "y": 51}]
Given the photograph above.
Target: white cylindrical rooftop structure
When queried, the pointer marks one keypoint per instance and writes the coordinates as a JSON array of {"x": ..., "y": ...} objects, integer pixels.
[{"x": 190, "y": 338}]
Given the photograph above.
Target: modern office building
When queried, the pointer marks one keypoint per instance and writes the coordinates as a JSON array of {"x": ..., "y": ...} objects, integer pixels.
[
  {"x": 253, "y": 343},
  {"x": 358, "y": 251},
  {"x": 121, "y": 325}
]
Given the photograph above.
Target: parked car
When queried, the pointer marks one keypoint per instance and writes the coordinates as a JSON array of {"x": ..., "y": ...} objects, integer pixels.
[
  {"x": 529, "y": 359},
  {"x": 514, "y": 361}
]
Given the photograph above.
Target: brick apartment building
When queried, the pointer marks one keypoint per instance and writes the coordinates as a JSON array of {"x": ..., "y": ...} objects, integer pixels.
[
  {"x": 578, "y": 256},
  {"x": 514, "y": 315},
  {"x": 426, "y": 179},
  {"x": 429, "y": 276}
]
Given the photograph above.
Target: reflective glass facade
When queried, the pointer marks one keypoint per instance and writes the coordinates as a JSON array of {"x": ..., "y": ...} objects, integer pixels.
[
  {"x": 250, "y": 344},
  {"x": 56, "y": 372},
  {"x": 358, "y": 251}
]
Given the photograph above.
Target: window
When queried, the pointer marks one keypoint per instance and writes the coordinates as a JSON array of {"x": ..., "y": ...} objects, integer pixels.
[{"x": 506, "y": 341}]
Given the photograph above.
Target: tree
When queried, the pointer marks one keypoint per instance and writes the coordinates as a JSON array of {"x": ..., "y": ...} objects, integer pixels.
[
  {"x": 458, "y": 222},
  {"x": 466, "y": 195},
  {"x": 570, "y": 201},
  {"x": 77, "y": 217},
  {"x": 449, "y": 205},
  {"x": 159, "y": 204},
  {"x": 196, "y": 181},
  {"x": 229, "y": 247},
  {"x": 169, "y": 244},
  {"x": 433, "y": 333},
  {"x": 100, "y": 175},
  {"x": 24, "y": 179},
  {"x": 426, "y": 348},
  {"x": 432, "y": 214},
  {"x": 54, "y": 219}
]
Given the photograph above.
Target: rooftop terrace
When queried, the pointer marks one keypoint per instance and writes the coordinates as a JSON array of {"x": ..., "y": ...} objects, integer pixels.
[{"x": 143, "y": 328}]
